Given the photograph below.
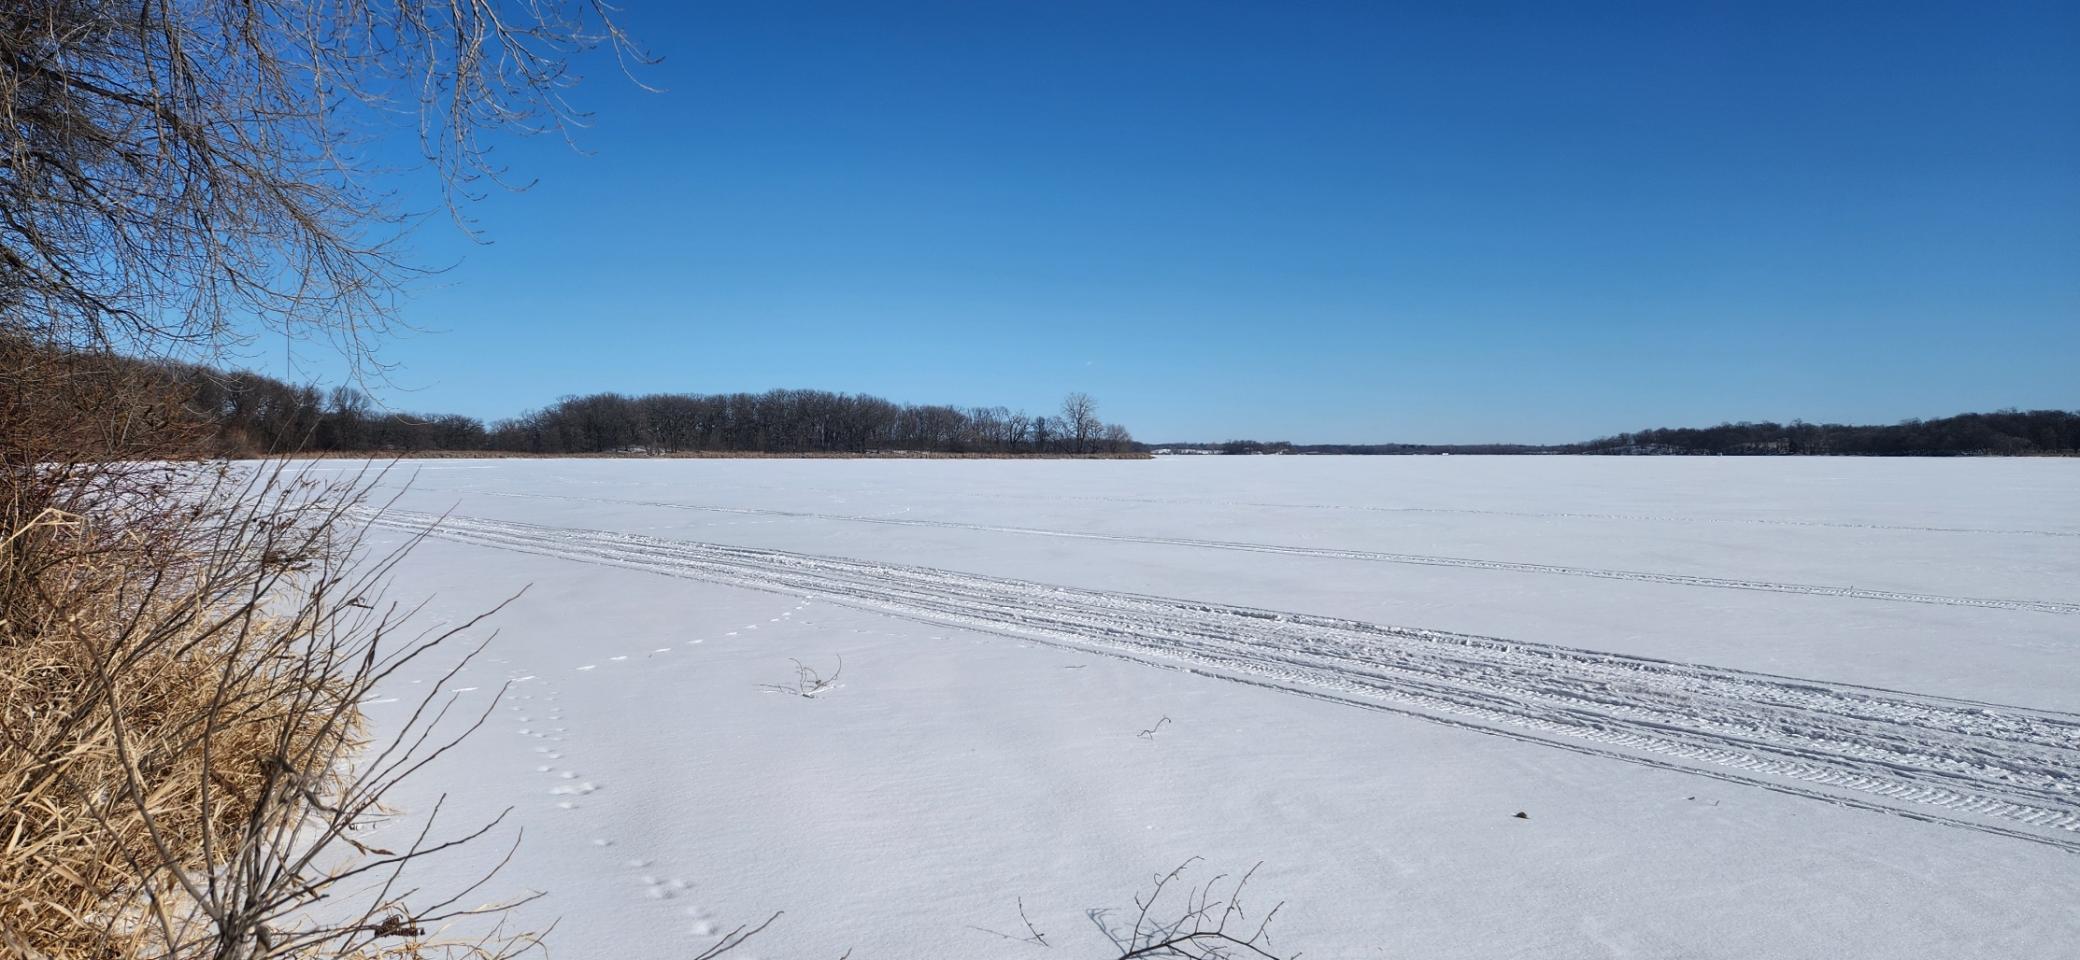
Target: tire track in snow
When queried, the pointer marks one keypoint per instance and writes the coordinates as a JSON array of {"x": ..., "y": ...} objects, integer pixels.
[
  {"x": 1373, "y": 556},
  {"x": 2000, "y": 769}
]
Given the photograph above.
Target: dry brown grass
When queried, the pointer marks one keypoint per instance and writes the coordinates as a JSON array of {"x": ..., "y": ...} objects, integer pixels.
[
  {"x": 185, "y": 645},
  {"x": 183, "y": 761}
]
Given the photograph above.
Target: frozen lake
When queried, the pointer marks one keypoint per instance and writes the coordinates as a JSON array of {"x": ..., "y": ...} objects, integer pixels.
[{"x": 1747, "y": 707}]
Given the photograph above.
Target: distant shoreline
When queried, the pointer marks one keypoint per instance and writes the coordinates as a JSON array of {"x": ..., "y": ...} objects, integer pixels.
[
  {"x": 928, "y": 455},
  {"x": 692, "y": 455}
]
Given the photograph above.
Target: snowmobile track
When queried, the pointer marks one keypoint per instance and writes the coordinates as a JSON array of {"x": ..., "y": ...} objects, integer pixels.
[
  {"x": 2000, "y": 769},
  {"x": 1372, "y": 556}
]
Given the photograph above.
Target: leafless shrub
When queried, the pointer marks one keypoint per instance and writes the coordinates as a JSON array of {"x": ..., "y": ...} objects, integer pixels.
[
  {"x": 184, "y": 767},
  {"x": 807, "y": 681},
  {"x": 1207, "y": 921}
]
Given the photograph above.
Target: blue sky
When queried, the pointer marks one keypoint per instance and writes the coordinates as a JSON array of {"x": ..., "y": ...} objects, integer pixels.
[{"x": 1316, "y": 222}]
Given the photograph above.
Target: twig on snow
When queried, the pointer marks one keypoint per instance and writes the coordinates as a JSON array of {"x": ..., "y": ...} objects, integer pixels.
[{"x": 1150, "y": 733}]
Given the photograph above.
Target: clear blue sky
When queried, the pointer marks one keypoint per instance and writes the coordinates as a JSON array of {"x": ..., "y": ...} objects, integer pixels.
[{"x": 1317, "y": 222}]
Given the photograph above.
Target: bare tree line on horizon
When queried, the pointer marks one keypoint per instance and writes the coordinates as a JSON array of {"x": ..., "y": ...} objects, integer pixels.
[
  {"x": 249, "y": 414},
  {"x": 2007, "y": 432},
  {"x": 801, "y": 421}
]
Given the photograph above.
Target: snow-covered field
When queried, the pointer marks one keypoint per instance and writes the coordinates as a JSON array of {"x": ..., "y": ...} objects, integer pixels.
[{"x": 1747, "y": 708}]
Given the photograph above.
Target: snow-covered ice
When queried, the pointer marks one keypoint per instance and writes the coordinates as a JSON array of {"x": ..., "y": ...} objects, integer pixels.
[{"x": 1768, "y": 707}]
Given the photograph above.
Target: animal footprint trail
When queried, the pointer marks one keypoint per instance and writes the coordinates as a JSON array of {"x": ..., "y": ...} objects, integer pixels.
[
  {"x": 2000, "y": 769},
  {"x": 564, "y": 788},
  {"x": 570, "y": 786},
  {"x": 661, "y": 888}
]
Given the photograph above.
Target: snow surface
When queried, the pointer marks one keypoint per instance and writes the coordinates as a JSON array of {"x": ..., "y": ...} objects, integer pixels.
[{"x": 1768, "y": 707}]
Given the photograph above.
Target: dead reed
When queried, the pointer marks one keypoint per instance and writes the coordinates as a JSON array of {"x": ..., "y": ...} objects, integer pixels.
[{"x": 184, "y": 766}]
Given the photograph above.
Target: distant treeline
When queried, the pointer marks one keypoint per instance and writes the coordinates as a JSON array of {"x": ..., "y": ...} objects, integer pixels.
[
  {"x": 1247, "y": 447},
  {"x": 243, "y": 413},
  {"x": 2003, "y": 433},
  {"x": 801, "y": 421}
]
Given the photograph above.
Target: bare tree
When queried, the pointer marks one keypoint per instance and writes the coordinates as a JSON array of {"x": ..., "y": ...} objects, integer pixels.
[
  {"x": 1018, "y": 429},
  {"x": 345, "y": 413},
  {"x": 188, "y": 173},
  {"x": 1080, "y": 420}
]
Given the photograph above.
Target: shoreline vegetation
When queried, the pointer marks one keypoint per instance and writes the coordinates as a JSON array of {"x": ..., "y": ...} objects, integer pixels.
[
  {"x": 364, "y": 455},
  {"x": 186, "y": 770},
  {"x": 242, "y": 414},
  {"x": 2002, "y": 433}
]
